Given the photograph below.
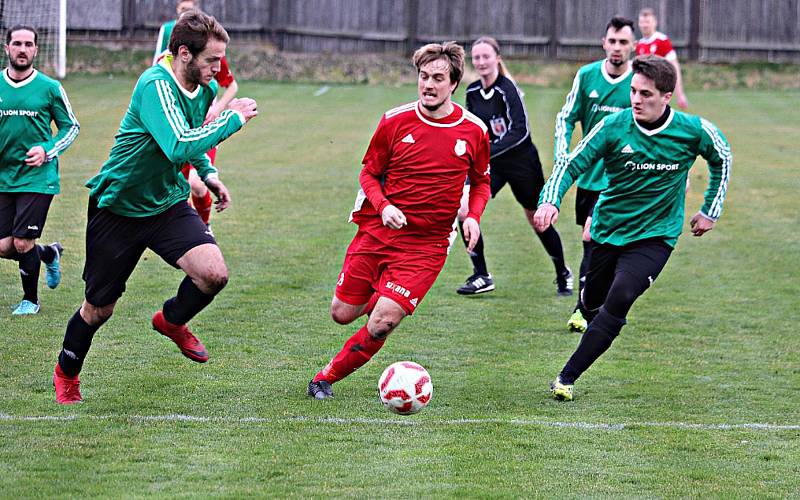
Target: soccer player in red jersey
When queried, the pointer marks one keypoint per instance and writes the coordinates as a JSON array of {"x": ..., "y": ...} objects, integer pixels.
[
  {"x": 411, "y": 183},
  {"x": 657, "y": 43}
]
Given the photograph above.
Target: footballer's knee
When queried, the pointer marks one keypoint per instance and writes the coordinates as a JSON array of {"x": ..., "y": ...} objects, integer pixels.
[
  {"x": 214, "y": 280},
  {"x": 382, "y": 322},
  {"x": 23, "y": 245},
  {"x": 7, "y": 250},
  {"x": 344, "y": 313},
  {"x": 96, "y": 315}
]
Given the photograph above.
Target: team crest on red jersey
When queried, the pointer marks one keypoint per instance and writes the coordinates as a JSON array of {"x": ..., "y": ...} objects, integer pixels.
[
  {"x": 499, "y": 128},
  {"x": 461, "y": 147}
]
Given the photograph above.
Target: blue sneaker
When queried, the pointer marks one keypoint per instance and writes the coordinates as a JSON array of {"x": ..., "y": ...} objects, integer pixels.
[
  {"x": 26, "y": 307},
  {"x": 53, "y": 269}
]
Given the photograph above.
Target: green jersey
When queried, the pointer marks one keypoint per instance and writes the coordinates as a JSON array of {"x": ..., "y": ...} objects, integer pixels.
[
  {"x": 646, "y": 171},
  {"x": 163, "y": 39},
  {"x": 161, "y": 131},
  {"x": 595, "y": 94},
  {"x": 27, "y": 109}
]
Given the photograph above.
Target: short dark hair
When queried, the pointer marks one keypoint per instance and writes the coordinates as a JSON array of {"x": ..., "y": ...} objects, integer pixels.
[
  {"x": 618, "y": 22},
  {"x": 452, "y": 52},
  {"x": 22, "y": 27},
  {"x": 193, "y": 30},
  {"x": 658, "y": 69},
  {"x": 647, "y": 11}
]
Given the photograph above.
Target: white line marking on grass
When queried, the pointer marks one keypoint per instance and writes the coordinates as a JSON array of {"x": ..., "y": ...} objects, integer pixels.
[
  {"x": 406, "y": 422},
  {"x": 321, "y": 90}
]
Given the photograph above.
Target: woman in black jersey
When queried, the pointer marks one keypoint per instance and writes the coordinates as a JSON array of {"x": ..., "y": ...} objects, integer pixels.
[{"x": 497, "y": 101}]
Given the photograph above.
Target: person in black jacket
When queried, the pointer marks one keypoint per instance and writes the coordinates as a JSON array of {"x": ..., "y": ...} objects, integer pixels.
[{"x": 497, "y": 101}]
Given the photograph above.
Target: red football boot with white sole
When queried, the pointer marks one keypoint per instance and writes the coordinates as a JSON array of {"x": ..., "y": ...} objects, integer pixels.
[{"x": 189, "y": 345}]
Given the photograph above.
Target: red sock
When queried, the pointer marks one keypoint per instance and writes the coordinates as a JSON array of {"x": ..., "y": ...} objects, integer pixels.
[
  {"x": 356, "y": 351},
  {"x": 203, "y": 206}
]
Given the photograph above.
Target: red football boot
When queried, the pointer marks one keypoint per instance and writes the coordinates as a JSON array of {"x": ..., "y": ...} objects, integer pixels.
[
  {"x": 189, "y": 345},
  {"x": 68, "y": 389}
]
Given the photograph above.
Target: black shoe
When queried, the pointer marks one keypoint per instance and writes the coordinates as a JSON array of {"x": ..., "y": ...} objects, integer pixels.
[
  {"x": 320, "y": 390},
  {"x": 477, "y": 283},
  {"x": 563, "y": 283}
]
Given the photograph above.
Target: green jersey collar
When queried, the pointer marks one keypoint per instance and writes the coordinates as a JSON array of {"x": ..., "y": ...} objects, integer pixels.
[
  {"x": 166, "y": 63},
  {"x": 655, "y": 130},
  {"x": 615, "y": 80},
  {"x": 24, "y": 82}
]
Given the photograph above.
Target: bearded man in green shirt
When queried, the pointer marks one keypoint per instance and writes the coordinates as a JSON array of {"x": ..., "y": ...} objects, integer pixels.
[
  {"x": 29, "y": 179},
  {"x": 647, "y": 152},
  {"x": 138, "y": 199}
]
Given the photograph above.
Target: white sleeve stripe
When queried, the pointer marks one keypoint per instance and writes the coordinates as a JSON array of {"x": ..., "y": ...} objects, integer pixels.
[
  {"x": 179, "y": 125},
  {"x": 561, "y": 165},
  {"x": 561, "y": 119},
  {"x": 724, "y": 153},
  {"x": 65, "y": 141},
  {"x": 166, "y": 102}
]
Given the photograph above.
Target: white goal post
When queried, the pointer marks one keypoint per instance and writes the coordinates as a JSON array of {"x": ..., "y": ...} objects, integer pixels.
[{"x": 49, "y": 17}]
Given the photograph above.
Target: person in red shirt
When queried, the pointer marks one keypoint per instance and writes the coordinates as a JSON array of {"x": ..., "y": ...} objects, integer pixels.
[
  {"x": 657, "y": 43},
  {"x": 411, "y": 183}
]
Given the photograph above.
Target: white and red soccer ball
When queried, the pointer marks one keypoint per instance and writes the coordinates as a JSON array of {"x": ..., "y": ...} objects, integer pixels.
[{"x": 405, "y": 387}]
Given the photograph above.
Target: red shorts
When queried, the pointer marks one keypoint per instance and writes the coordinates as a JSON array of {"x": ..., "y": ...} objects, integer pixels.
[
  {"x": 371, "y": 266},
  {"x": 212, "y": 155}
]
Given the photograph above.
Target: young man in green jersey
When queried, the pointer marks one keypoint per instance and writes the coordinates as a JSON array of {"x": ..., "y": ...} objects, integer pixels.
[
  {"x": 138, "y": 199},
  {"x": 647, "y": 152},
  {"x": 29, "y": 103},
  {"x": 598, "y": 90}
]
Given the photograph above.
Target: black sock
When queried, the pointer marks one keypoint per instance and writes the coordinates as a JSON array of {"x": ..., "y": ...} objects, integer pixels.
[
  {"x": 29, "y": 264},
  {"x": 46, "y": 253},
  {"x": 597, "y": 339},
  {"x": 587, "y": 253},
  {"x": 186, "y": 304},
  {"x": 478, "y": 259},
  {"x": 552, "y": 245},
  {"x": 77, "y": 341}
]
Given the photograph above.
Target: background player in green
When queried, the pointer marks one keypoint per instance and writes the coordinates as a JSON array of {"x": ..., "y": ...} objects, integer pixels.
[
  {"x": 647, "y": 152},
  {"x": 29, "y": 103},
  {"x": 599, "y": 89},
  {"x": 138, "y": 199}
]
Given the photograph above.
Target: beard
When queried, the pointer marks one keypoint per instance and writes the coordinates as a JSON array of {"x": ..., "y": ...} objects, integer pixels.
[
  {"x": 432, "y": 107},
  {"x": 193, "y": 74},
  {"x": 617, "y": 63},
  {"x": 20, "y": 67}
]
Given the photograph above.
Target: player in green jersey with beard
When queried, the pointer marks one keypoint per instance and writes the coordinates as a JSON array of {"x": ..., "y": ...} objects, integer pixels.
[
  {"x": 29, "y": 103},
  {"x": 647, "y": 152},
  {"x": 138, "y": 199},
  {"x": 599, "y": 89}
]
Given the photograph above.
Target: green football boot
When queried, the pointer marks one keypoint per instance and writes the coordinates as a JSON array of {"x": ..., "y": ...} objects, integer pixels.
[
  {"x": 577, "y": 323},
  {"x": 561, "y": 392}
]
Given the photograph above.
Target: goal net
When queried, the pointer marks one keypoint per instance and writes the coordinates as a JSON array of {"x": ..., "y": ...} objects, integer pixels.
[{"x": 49, "y": 17}]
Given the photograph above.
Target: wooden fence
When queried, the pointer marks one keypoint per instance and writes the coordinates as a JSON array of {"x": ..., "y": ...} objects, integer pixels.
[{"x": 704, "y": 30}]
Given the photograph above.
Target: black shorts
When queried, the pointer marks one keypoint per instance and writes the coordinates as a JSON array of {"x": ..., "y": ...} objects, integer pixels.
[
  {"x": 22, "y": 215},
  {"x": 642, "y": 260},
  {"x": 525, "y": 178},
  {"x": 115, "y": 243},
  {"x": 585, "y": 201}
]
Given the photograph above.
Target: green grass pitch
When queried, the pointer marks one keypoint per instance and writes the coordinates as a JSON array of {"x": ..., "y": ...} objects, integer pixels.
[{"x": 709, "y": 350}]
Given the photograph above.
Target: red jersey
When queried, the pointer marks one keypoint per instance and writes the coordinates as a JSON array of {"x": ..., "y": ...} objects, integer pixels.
[
  {"x": 658, "y": 44},
  {"x": 224, "y": 77},
  {"x": 419, "y": 165}
]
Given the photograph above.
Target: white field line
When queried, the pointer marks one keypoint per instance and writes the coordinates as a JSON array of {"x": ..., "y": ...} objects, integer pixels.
[{"x": 409, "y": 421}]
